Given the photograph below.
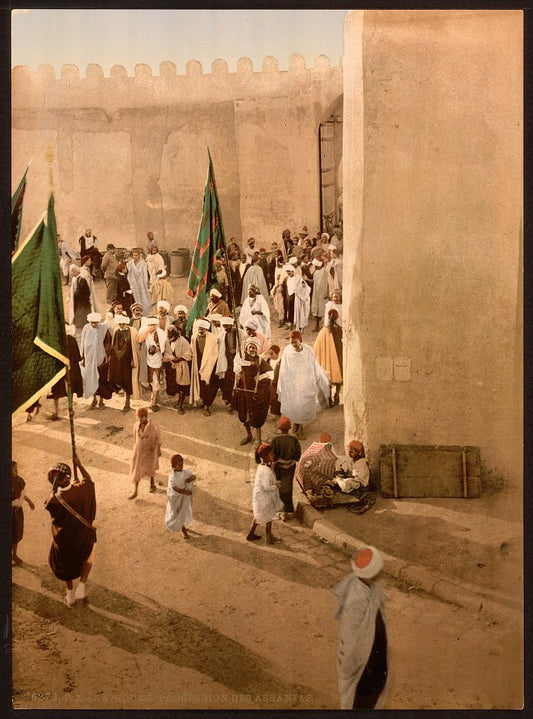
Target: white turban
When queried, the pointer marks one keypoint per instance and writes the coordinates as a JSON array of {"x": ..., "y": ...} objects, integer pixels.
[
  {"x": 122, "y": 319},
  {"x": 215, "y": 292},
  {"x": 180, "y": 308},
  {"x": 227, "y": 321},
  {"x": 203, "y": 323},
  {"x": 94, "y": 317},
  {"x": 163, "y": 303}
]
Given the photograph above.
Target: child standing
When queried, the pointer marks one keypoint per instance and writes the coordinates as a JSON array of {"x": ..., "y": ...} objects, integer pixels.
[
  {"x": 179, "y": 509},
  {"x": 266, "y": 502},
  {"x": 17, "y": 515}
]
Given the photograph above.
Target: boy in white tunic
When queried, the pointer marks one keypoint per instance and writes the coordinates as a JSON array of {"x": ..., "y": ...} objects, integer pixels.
[
  {"x": 266, "y": 502},
  {"x": 179, "y": 492}
]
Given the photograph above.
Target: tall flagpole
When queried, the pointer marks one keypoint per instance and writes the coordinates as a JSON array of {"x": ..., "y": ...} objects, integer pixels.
[
  {"x": 49, "y": 157},
  {"x": 226, "y": 260}
]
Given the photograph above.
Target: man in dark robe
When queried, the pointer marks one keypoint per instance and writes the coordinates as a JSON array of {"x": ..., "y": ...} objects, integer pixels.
[
  {"x": 123, "y": 358},
  {"x": 252, "y": 392},
  {"x": 72, "y": 507}
]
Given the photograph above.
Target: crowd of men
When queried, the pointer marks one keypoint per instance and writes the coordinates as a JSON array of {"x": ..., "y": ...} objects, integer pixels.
[{"x": 144, "y": 343}]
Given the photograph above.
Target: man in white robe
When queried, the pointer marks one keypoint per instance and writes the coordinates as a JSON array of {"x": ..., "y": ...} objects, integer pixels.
[
  {"x": 204, "y": 382},
  {"x": 138, "y": 279},
  {"x": 363, "y": 658},
  {"x": 255, "y": 305},
  {"x": 303, "y": 386},
  {"x": 298, "y": 287},
  {"x": 94, "y": 347},
  {"x": 155, "y": 263},
  {"x": 254, "y": 276},
  {"x": 320, "y": 292}
]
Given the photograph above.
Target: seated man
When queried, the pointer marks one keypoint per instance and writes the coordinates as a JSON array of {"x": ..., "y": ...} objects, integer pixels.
[{"x": 353, "y": 472}]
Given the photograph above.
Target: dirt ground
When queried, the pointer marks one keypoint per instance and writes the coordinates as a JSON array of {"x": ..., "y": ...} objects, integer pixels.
[{"x": 213, "y": 623}]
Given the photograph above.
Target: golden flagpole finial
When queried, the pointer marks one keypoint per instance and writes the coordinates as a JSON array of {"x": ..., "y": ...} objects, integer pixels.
[{"x": 49, "y": 157}]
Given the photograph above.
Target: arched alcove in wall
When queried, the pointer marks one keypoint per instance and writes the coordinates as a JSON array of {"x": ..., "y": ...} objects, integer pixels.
[{"x": 330, "y": 164}]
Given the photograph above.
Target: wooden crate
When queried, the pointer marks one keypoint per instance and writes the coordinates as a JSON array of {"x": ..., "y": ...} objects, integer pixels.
[{"x": 410, "y": 470}]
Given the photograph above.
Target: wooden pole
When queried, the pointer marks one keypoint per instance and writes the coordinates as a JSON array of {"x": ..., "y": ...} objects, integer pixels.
[
  {"x": 465, "y": 477},
  {"x": 394, "y": 475},
  {"x": 49, "y": 157}
]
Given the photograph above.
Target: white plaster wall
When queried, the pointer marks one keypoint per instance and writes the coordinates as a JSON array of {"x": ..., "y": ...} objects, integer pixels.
[{"x": 436, "y": 275}]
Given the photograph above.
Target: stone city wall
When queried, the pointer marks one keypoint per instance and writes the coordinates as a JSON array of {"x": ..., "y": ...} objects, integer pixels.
[
  {"x": 131, "y": 152},
  {"x": 433, "y": 201}
]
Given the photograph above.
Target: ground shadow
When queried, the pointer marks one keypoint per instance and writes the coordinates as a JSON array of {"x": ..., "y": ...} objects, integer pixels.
[{"x": 164, "y": 633}]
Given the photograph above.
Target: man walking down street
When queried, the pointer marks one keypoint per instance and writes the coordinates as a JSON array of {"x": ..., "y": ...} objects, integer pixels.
[
  {"x": 303, "y": 386},
  {"x": 362, "y": 659}
]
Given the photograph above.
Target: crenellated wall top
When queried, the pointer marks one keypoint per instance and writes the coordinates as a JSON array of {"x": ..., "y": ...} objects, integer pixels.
[{"x": 168, "y": 70}]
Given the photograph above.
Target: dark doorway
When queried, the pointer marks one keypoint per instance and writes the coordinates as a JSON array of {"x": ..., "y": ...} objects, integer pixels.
[{"x": 330, "y": 160}]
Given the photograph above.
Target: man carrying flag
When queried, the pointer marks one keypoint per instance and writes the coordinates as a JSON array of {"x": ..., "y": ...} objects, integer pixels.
[
  {"x": 39, "y": 341},
  {"x": 210, "y": 239}
]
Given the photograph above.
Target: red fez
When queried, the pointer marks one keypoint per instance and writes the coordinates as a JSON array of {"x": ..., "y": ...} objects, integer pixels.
[
  {"x": 275, "y": 348},
  {"x": 296, "y": 334},
  {"x": 284, "y": 423},
  {"x": 363, "y": 558},
  {"x": 264, "y": 449},
  {"x": 354, "y": 444},
  {"x": 324, "y": 437}
]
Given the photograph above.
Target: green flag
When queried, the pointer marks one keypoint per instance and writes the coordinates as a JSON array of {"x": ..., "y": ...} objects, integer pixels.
[
  {"x": 16, "y": 212},
  {"x": 39, "y": 341},
  {"x": 210, "y": 239}
]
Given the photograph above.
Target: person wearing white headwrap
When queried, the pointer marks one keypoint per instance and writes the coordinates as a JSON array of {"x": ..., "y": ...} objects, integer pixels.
[
  {"x": 181, "y": 359},
  {"x": 277, "y": 289},
  {"x": 363, "y": 658},
  {"x": 254, "y": 276},
  {"x": 335, "y": 303},
  {"x": 156, "y": 342},
  {"x": 155, "y": 263},
  {"x": 251, "y": 329},
  {"x": 298, "y": 293},
  {"x": 252, "y": 398},
  {"x": 216, "y": 304},
  {"x": 334, "y": 270},
  {"x": 82, "y": 298},
  {"x": 95, "y": 345},
  {"x": 161, "y": 289},
  {"x": 138, "y": 280},
  {"x": 204, "y": 382},
  {"x": 124, "y": 360},
  {"x": 256, "y": 306},
  {"x": 319, "y": 294}
]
